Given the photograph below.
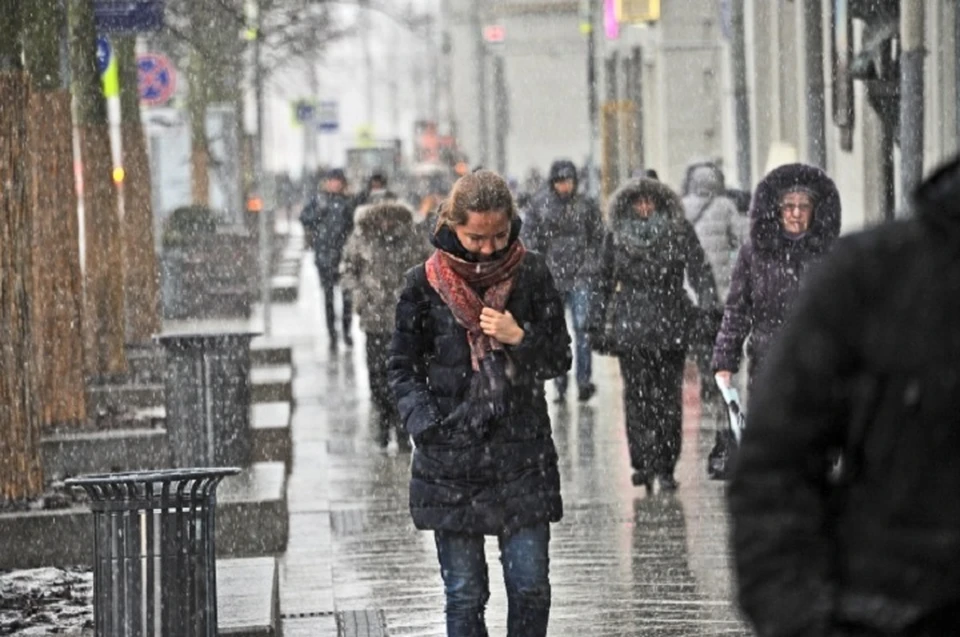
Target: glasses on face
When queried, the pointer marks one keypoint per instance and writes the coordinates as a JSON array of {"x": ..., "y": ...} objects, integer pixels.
[{"x": 802, "y": 207}]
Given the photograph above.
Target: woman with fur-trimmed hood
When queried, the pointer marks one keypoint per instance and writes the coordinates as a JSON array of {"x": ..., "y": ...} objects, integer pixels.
[
  {"x": 645, "y": 317},
  {"x": 384, "y": 244},
  {"x": 795, "y": 218}
]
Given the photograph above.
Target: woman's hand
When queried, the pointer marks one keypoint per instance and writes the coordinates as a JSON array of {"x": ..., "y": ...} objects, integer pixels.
[
  {"x": 725, "y": 376},
  {"x": 501, "y": 326}
]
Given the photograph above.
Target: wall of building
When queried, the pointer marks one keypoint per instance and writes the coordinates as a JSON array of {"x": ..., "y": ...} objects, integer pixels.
[{"x": 545, "y": 64}]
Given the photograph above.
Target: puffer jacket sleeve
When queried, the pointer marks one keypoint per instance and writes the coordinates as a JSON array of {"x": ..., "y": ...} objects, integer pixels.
[
  {"x": 778, "y": 497},
  {"x": 351, "y": 267},
  {"x": 533, "y": 233},
  {"x": 545, "y": 348},
  {"x": 737, "y": 315},
  {"x": 603, "y": 285},
  {"x": 698, "y": 269},
  {"x": 595, "y": 239},
  {"x": 406, "y": 366}
]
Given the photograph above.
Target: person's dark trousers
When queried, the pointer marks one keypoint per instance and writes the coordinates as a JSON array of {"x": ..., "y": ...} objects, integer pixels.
[
  {"x": 526, "y": 572},
  {"x": 329, "y": 280},
  {"x": 387, "y": 416},
  {"x": 578, "y": 301},
  {"x": 653, "y": 402}
]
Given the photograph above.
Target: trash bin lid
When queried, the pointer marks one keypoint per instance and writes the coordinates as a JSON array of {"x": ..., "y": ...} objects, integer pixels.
[{"x": 204, "y": 340}]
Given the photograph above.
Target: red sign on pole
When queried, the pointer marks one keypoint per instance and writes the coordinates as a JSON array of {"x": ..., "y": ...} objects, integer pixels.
[{"x": 494, "y": 33}]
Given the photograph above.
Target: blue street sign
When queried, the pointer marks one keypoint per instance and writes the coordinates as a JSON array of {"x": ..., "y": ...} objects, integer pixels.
[
  {"x": 103, "y": 54},
  {"x": 306, "y": 112},
  {"x": 329, "y": 119},
  {"x": 128, "y": 16}
]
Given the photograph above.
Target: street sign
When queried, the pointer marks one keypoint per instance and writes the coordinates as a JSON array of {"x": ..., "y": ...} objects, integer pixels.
[
  {"x": 103, "y": 54},
  {"x": 328, "y": 119},
  {"x": 128, "y": 16},
  {"x": 156, "y": 79},
  {"x": 494, "y": 33},
  {"x": 305, "y": 111}
]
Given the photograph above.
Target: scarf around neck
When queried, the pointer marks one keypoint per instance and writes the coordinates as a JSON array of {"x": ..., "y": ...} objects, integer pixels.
[{"x": 457, "y": 282}]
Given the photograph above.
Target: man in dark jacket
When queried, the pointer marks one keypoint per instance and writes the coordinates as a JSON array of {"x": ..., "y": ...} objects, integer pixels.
[
  {"x": 867, "y": 368},
  {"x": 328, "y": 220},
  {"x": 567, "y": 229}
]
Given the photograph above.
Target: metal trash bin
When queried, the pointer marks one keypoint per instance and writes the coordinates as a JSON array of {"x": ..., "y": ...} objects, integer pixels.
[
  {"x": 154, "y": 572},
  {"x": 208, "y": 396}
]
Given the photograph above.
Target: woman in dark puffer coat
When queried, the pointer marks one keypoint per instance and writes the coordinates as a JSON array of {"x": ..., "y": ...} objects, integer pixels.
[
  {"x": 795, "y": 218},
  {"x": 479, "y": 328},
  {"x": 646, "y": 318}
]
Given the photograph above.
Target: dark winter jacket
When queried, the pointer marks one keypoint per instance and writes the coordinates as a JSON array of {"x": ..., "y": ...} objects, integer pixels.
[
  {"x": 568, "y": 232},
  {"x": 641, "y": 300},
  {"x": 509, "y": 480},
  {"x": 868, "y": 364},
  {"x": 328, "y": 220},
  {"x": 769, "y": 269},
  {"x": 385, "y": 243},
  {"x": 719, "y": 226}
]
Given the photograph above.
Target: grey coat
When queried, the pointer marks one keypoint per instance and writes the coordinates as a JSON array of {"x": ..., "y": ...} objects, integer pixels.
[
  {"x": 385, "y": 243},
  {"x": 716, "y": 221}
]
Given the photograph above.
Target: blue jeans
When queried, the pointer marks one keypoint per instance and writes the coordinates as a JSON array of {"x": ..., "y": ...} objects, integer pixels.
[
  {"x": 578, "y": 300},
  {"x": 526, "y": 573}
]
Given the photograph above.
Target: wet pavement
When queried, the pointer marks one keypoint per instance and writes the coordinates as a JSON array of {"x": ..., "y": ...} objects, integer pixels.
[{"x": 622, "y": 563}]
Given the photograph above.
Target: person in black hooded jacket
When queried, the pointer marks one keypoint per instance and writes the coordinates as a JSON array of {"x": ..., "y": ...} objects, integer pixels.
[
  {"x": 328, "y": 221},
  {"x": 567, "y": 229},
  {"x": 645, "y": 316},
  {"x": 867, "y": 367},
  {"x": 479, "y": 328}
]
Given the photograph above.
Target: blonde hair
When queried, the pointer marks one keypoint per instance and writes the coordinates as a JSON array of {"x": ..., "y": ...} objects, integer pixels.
[{"x": 480, "y": 191}]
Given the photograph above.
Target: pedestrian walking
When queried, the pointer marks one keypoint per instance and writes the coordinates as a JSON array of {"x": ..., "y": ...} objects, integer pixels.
[
  {"x": 567, "y": 229},
  {"x": 795, "y": 218},
  {"x": 866, "y": 369},
  {"x": 328, "y": 220},
  {"x": 645, "y": 316},
  {"x": 384, "y": 244},
  {"x": 715, "y": 218},
  {"x": 479, "y": 328}
]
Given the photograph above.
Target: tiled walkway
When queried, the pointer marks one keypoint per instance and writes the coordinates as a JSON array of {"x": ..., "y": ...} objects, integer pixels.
[{"x": 622, "y": 563}]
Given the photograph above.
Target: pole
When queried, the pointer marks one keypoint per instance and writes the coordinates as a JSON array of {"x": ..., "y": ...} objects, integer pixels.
[
  {"x": 816, "y": 105},
  {"x": 956, "y": 70},
  {"x": 593, "y": 183},
  {"x": 502, "y": 114},
  {"x": 258, "y": 177},
  {"x": 911, "y": 98},
  {"x": 367, "y": 60},
  {"x": 741, "y": 104},
  {"x": 637, "y": 98},
  {"x": 481, "y": 72}
]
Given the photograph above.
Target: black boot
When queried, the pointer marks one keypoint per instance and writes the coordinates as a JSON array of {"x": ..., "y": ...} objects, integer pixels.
[
  {"x": 586, "y": 392},
  {"x": 640, "y": 479},
  {"x": 668, "y": 482}
]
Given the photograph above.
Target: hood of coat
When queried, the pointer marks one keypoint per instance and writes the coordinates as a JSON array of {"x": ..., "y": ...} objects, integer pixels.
[
  {"x": 561, "y": 170},
  {"x": 766, "y": 231},
  {"x": 384, "y": 219},
  {"x": 704, "y": 179},
  {"x": 937, "y": 201},
  {"x": 666, "y": 201}
]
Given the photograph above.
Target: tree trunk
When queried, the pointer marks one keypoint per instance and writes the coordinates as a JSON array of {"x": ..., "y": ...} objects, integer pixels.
[
  {"x": 103, "y": 295},
  {"x": 142, "y": 276},
  {"x": 197, "y": 100},
  {"x": 58, "y": 290},
  {"x": 21, "y": 472}
]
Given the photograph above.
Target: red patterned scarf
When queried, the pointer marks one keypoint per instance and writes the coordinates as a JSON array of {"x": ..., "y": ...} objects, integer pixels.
[{"x": 456, "y": 281}]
